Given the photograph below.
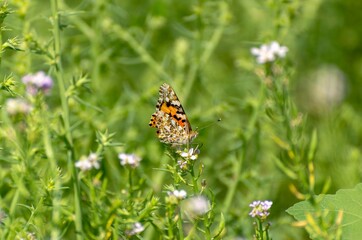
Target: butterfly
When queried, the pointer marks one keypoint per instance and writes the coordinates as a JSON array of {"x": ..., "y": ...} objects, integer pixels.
[{"x": 170, "y": 119}]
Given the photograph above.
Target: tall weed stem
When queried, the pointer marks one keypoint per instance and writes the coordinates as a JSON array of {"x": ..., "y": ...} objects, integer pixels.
[
  {"x": 258, "y": 111},
  {"x": 65, "y": 117}
]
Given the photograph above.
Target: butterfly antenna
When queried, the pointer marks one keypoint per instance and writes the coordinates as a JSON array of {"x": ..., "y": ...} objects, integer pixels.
[{"x": 209, "y": 125}]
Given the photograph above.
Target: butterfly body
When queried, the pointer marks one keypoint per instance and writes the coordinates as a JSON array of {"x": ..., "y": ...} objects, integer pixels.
[{"x": 170, "y": 119}]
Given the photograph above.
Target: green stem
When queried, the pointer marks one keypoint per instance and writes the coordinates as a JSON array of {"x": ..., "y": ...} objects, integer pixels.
[
  {"x": 180, "y": 227},
  {"x": 56, "y": 214},
  {"x": 170, "y": 213},
  {"x": 158, "y": 180},
  {"x": 66, "y": 120},
  {"x": 96, "y": 43},
  {"x": 246, "y": 138},
  {"x": 1, "y": 44},
  {"x": 141, "y": 51},
  {"x": 33, "y": 213},
  {"x": 14, "y": 202},
  {"x": 260, "y": 229},
  {"x": 130, "y": 182},
  {"x": 194, "y": 181},
  {"x": 208, "y": 50},
  {"x": 3, "y": 13},
  {"x": 285, "y": 106},
  {"x": 207, "y": 232},
  {"x": 192, "y": 232},
  {"x": 267, "y": 234}
]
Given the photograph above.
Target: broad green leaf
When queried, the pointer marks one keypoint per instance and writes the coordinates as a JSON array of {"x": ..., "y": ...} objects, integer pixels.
[{"x": 347, "y": 200}]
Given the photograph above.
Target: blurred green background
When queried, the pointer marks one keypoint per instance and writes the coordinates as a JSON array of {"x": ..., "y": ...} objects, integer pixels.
[{"x": 202, "y": 49}]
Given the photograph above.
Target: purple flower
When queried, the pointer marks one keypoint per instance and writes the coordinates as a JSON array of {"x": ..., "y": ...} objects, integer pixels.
[
  {"x": 38, "y": 82},
  {"x": 260, "y": 209}
]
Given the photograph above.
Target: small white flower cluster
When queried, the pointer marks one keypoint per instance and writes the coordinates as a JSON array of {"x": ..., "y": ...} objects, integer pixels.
[
  {"x": 131, "y": 160},
  {"x": 189, "y": 154},
  {"x": 260, "y": 209},
  {"x": 178, "y": 194},
  {"x": 38, "y": 82},
  {"x": 87, "y": 163},
  {"x": 269, "y": 52},
  {"x": 136, "y": 229},
  {"x": 15, "y": 106}
]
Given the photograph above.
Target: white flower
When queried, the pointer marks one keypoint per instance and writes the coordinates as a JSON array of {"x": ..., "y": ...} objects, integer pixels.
[
  {"x": 263, "y": 54},
  {"x": 16, "y": 106},
  {"x": 278, "y": 50},
  {"x": 269, "y": 52},
  {"x": 175, "y": 197},
  {"x": 179, "y": 194},
  {"x": 131, "y": 160},
  {"x": 191, "y": 154},
  {"x": 87, "y": 163},
  {"x": 136, "y": 229},
  {"x": 197, "y": 206},
  {"x": 260, "y": 209}
]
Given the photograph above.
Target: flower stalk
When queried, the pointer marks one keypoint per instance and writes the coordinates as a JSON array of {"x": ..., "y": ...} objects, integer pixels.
[
  {"x": 57, "y": 64},
  {"x": 260, "y": 211}
]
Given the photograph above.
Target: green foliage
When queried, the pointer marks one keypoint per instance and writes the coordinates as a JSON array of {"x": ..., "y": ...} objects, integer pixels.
[
  {"x": 78, "y": 160},
  {"x": 335, "y": 216}
]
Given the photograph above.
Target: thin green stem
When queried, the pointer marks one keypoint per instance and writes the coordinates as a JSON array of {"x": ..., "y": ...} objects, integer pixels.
[
  {"x": 95, "y": 198},
  {"x": 65, "y": 115},
  {"x": 130, "y": 182},
  {"x": 207, "y": 232},
  {"x": 33, "y": 213},
  {"x": 246, "y": 138},
  {"x": 208, "y": 50},
  {"x": 56, "y": 214},
  {"x": 3, "y": 13},
  {"x": 14, "y": 202},
  {"x": 192, "y": 232},
  {"x": 233, "y": 186},
  {"x": 285, "y": 106},
  {"x": 96, "y": 43},
  {"x": 194, "y": 181},
  {"x": 170, "y": 213},
  {"x": 1, "y": 43},
  {"x": 141, "y": 51},
  {"x": 267, "y": 234},
  {"x": 180, "y": 226},
  {"x": 260, "y": 229}
]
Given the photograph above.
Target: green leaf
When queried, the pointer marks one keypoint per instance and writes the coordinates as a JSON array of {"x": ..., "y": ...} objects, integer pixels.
[
  {"x": 347, "y": 200},
  {"x": 220, "y": 229}
]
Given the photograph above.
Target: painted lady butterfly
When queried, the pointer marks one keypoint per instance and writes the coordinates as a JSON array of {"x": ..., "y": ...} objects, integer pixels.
[{"x": 170, "y": 119}]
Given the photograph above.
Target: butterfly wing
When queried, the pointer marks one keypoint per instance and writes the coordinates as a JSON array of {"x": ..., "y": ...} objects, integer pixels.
[{"x": 170, "y": 118}]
